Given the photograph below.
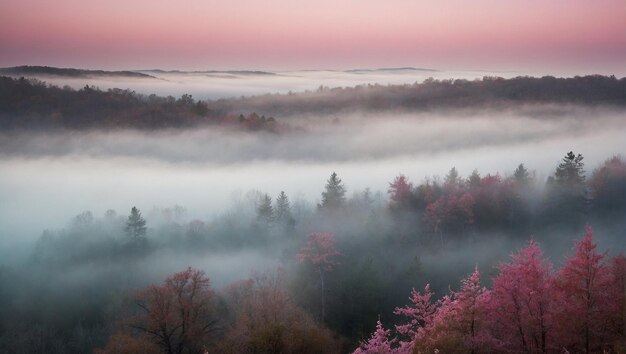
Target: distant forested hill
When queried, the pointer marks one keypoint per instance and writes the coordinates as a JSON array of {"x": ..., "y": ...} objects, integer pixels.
[
  {"x": 69, "y": 72},
  {"x": 490, "y": 92},
  {"x": 32, "y": 104}
]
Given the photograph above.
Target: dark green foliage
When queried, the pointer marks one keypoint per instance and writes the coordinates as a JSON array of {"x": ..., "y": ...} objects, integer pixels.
[
  {"x": 570, "y": 172},
  {"x": 31, "y": 104},
  {"x": 490, "y": 92},
  {"x": 521, "y": 175},
  {"x": 334, "y": 195},
  {"x": 567, "y": 200},
  {"x": 136, "y": 225},
  {"x": 282, "y": 212},
  {"x": 473, "y": 181},
  {"x": 452, "y": 178},
  {"x": 265, "y": 211}
]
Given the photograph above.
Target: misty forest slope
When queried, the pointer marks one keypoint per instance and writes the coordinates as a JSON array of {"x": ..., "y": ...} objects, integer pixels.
[
  {"x": 31, "y": 104},
  {"x": 361, "y": 258},
  {"x": 495, "y": 252}
]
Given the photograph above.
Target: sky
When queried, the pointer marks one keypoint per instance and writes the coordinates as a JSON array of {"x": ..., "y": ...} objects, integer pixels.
[{"x": 560, "y": 36}]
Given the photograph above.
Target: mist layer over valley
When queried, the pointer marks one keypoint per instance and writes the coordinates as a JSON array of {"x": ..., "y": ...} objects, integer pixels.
[
  {"x": 227, "y": 84},
  {"x": 400, "y": 194}
]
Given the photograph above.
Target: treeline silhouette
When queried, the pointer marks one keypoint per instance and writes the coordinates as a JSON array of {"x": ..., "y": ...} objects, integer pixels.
[
  {"x": 27, "y": 70},
  {"x": 488, "y": 92},
  {"x": 31, "y": 104}
]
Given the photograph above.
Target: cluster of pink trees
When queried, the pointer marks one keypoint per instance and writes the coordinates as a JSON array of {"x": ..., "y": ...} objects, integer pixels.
[
  {"x": 531, "y": 308},
  {"x": 455, "y": 204}
]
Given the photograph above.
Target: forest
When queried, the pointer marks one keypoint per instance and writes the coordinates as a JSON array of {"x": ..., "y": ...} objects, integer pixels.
[
  {"x": 422, "y": 269},
  {"x": 32, "y": 104},
  {"x": 313, "y": 177}
]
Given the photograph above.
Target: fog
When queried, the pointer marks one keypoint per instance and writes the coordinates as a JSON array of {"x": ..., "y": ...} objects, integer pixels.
[
  {"x": 225, "y": 84},
  {"x": 56, "y": 175},
  {"x": 65, "y": 197}
]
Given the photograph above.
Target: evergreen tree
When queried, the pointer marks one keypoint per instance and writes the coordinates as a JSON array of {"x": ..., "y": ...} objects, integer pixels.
[
  {"x": 570, "y": 171},
  {"x": 452, "y": 177},
  {"x": 335, "y": 194},
  {"x": 282, "y": 212},
  {"x": 567, "y": 192},
  {"x": 136, "y": 225},
  {"x": 473, "y": 181},
  {"x": 521, "y": 175},
  {"x": 265, "y": 211}
]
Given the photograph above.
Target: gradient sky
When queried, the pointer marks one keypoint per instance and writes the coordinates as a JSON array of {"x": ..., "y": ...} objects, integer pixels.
[{"x": 560, "y": 36}]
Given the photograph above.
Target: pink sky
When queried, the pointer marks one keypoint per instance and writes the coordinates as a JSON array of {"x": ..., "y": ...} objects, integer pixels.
[{"x": 561, "y": 36}]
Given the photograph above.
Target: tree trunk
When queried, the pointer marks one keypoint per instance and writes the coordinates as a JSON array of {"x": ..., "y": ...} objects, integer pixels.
[{"x": 321, "y": 272}]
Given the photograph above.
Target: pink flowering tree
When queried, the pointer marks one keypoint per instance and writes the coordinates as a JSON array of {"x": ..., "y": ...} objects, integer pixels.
[
  {"x": 400, "y": 192},
  {"x": 319, "y": 251},
  {"x": 470, "y": 305},
  {"x": 458, "y": 324},
  {"x": 379, "y": 342},
  {"x": 584, "y": 288},
  {"x": 419, "y": 316},
  {"x": 522, "y": 302}
]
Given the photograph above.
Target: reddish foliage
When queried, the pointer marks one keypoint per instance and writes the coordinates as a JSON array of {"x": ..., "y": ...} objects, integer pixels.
[
  {"x": 420, "y": 314},
  {"x": 319, "y": 250},
  {"x": 400, "y": 191},
  {"x": 378, "y": 343},
  {"x": 521, "y": 301},
  {"x": 459, "y": 323},
  {"x": 177, "y": 316},
  {"x": 531, "y": 309},
  {"x": 450, "y": 212},
  {"x": 582, "y": 290}
]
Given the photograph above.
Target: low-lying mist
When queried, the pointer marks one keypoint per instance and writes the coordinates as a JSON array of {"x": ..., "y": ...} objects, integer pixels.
[
  {"x": 57, "y": 174},
  {"x": 215, "y": 84}
]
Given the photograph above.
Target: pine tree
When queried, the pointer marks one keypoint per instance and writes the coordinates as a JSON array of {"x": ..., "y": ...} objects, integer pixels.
[
  {"x": 473, "y": 181},
  {"x": 282, "y": 212},
  {"x": 452, "y": 178},
  {"x": 521, "y": 175},
  {"x": 335, "y": 194},
  {"x": 570, "y": 171},
  {"x": 567, "y": 193},
  {"x": 265, "y": 211},
  {"x": 136, "y": 225}
]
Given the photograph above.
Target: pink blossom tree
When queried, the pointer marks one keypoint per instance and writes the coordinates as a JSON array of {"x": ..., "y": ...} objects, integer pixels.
[
  {"x": 400, "y": 192},
  {"x": 583, "y": 285},
  {"x": 522, "y": 300},
  {"x": 451, "y": 212},
  {"x": 419, "y": 316},
  {"x": 379, "y": 342},
  {"x": 458, "y": 324},
  {"x": 320, "y": 252}
]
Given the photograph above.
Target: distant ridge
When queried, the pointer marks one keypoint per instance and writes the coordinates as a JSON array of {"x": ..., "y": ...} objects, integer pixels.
[
  {"x": 69, "y": 72},
  {"x": 209, "y": 72},
  {"x": 407, "y": 68}
]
